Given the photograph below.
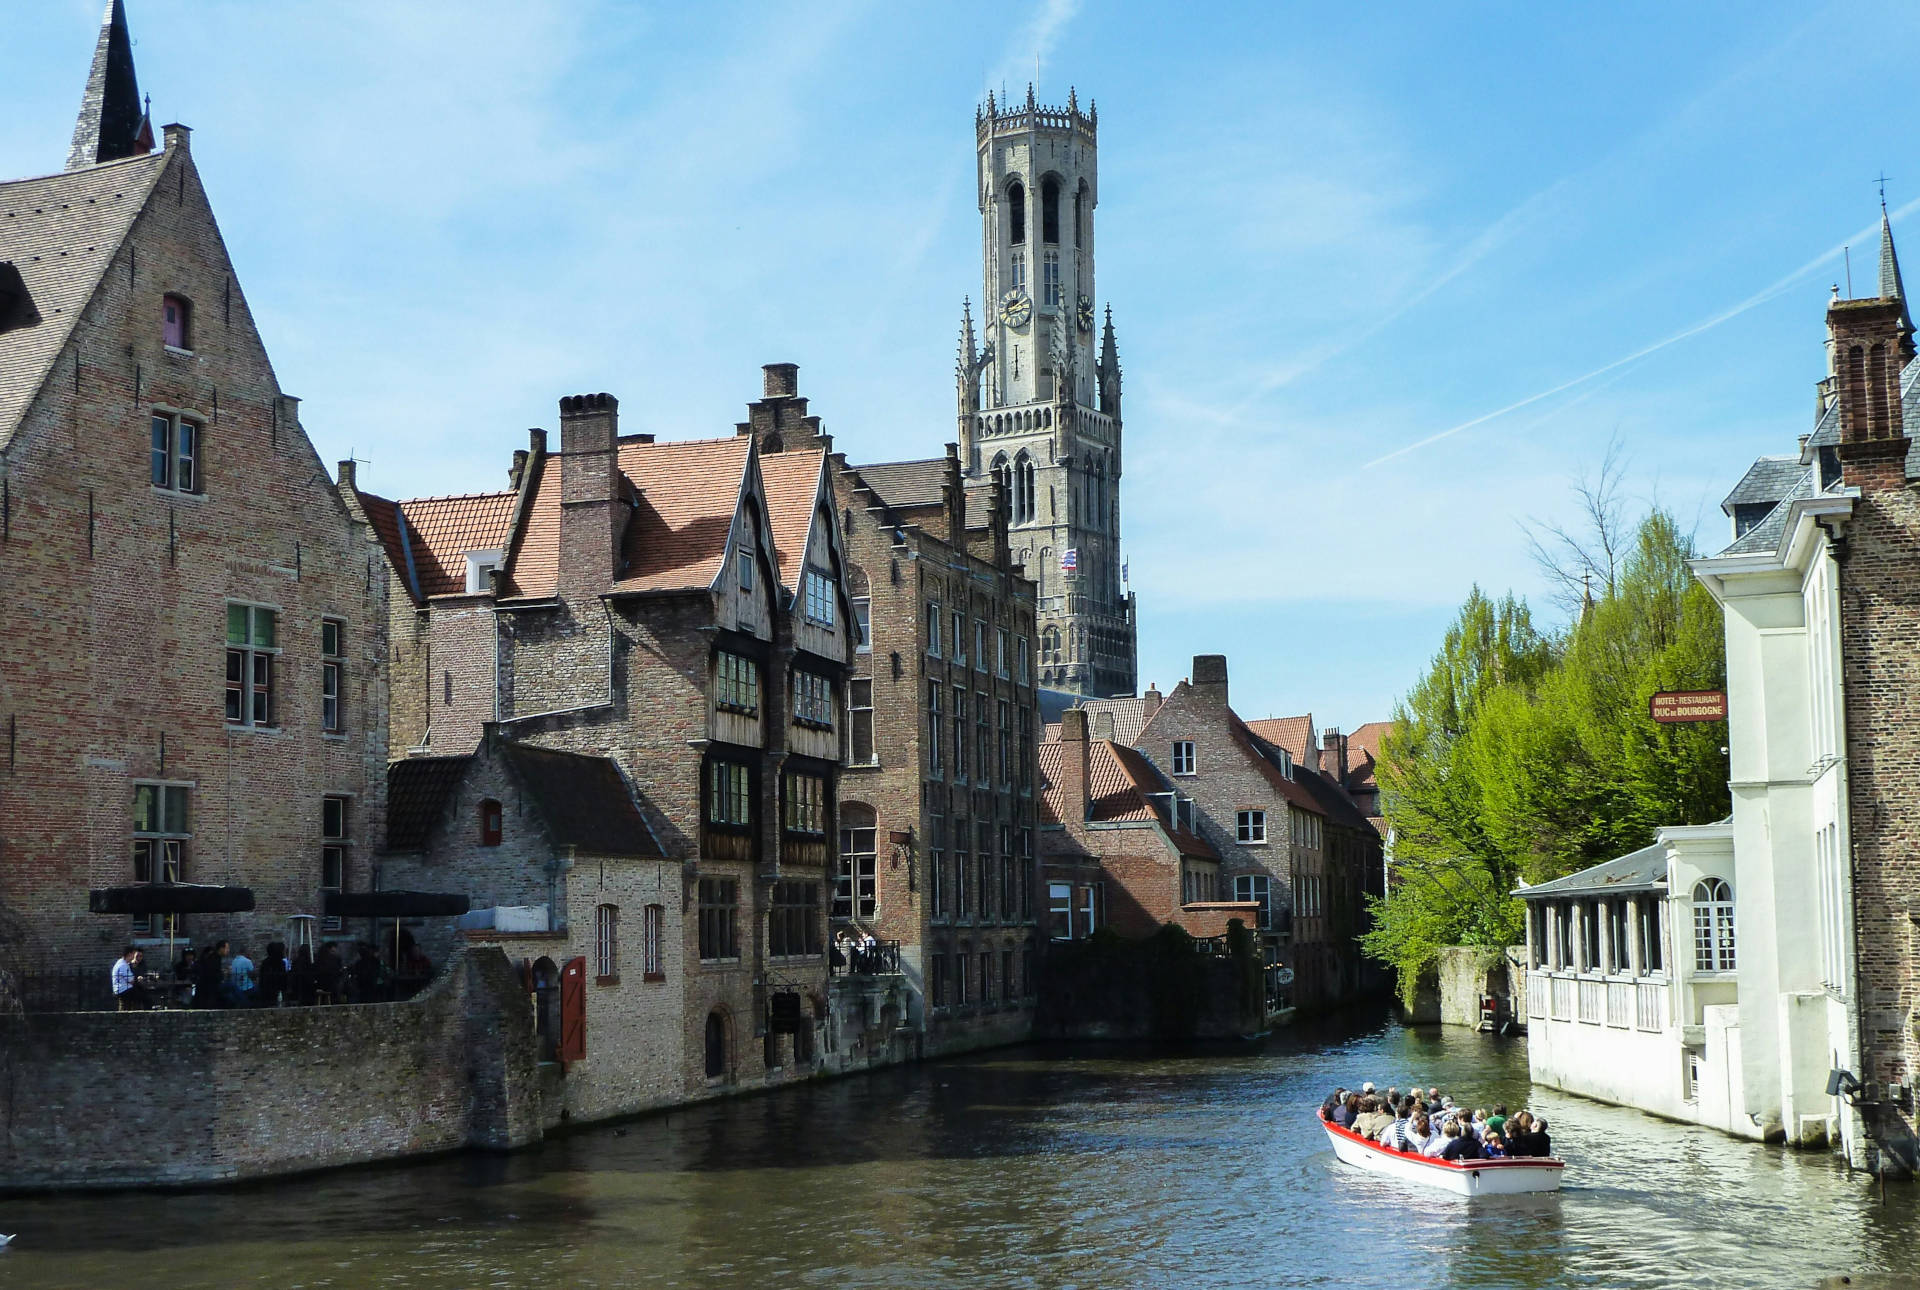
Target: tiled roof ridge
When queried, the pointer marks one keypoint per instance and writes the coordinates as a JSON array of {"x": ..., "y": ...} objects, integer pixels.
[
  {"x": 91, "y": 169},
  {"x": 450, "y": 497},
  {"x": 905, "y": 461}
]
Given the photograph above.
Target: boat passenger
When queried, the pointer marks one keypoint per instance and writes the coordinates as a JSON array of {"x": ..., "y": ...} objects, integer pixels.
[
  {"x": 1371, "y": 1119},
  {"x": 1434, "y": 1105},
  {"x": 1541, "y": 1137},
  {"x": 1498, "y": 1120},
  {"x": 1525, "y": 1140},
  {"x": 1494, "y": 1146},
  {"x": 1447, "y": 1132},
  {"x": 1349, "y": 1111}
]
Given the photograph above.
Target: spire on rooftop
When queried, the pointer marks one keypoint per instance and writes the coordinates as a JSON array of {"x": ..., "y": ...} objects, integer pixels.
[{"x": 112, "y": 122}]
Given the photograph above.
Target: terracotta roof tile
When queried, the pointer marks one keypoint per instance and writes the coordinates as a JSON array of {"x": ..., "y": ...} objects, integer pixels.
[
  {"x": 441, "y": 530},
  {"x": 61, "y": 233},
  {"x": 792, "y": 481},
  {"x": 1113, "y": 785},
  {"x": 688, "y": 493},
  {"x": 1363, "y": 753},
  {"x": 384, "y": 514},
  {"x": 1290, "y": 733},
  {"x": 1266, "y": 765}
]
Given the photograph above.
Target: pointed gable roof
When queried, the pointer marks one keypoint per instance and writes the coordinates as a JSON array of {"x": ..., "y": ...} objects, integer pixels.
[
  {"x": 1891, "y": 287},
  {"x": 441, "y": 530},
  {"x": 792, "y": 480},
  {"x": 111, "y": 123},
  {"x": 61, "y": 232}
]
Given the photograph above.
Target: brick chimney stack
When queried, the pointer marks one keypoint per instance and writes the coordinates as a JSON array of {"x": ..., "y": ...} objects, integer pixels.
[
  {"x": 1103, "y": 726},
  {"x": 1149, "y": 702},
  {"x": 589, "y": 492},
  {"x": 1073, "y": 766},
  {"x": 1870, "y": 348},
  {"x": 1333, "y": 760},
  {"x": 779, "y": 418},
  {"x": 1210, "y": 678}
]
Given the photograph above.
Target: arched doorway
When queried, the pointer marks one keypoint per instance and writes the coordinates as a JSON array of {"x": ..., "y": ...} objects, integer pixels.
[
  {"x": 716, "y": 1044},
  {"x": 546, "y": 1007}
]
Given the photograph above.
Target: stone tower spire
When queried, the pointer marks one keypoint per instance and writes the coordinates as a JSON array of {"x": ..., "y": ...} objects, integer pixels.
[
  {"x": 1891, "y": 287},
  {"x": 112, "y": 124},
  {"x": 1109, "y": 369}
]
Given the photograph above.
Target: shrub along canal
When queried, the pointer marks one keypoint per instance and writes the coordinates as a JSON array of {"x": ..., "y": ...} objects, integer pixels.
[{"x": 1042, "y": 1167}]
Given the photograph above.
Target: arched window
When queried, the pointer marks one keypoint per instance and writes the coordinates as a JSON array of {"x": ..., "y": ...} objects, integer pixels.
[
  {"x": 1080, "y": 214},
  {"x": 1003, "y": 475},
  {"x": 606, "y": 943},
  {"x": 1050, "y": 210},
  {"x": 1016, "y": 213},
  {"x": 1712, "y": 926},
  {"x": 716, "y": 1045},
  {"x": 1023, "y": 489},
  {"x": 490, "y": 821},
  {"x": 1050, "y": 645},
  {"x": 855, "y": 893}
]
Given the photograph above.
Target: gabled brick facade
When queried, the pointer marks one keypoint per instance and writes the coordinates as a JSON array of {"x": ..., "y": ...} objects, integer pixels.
[{"x": 156, "y": 489}]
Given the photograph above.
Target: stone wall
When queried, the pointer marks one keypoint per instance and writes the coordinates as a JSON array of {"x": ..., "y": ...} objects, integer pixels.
[
  {"x": 1109, "y": 987},
  {"x": 1467, "y": 972},
  {"x": 116, "y": 1099}
]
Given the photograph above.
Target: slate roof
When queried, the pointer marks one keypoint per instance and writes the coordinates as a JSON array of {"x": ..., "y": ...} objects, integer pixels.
[
  {"x": 585, "y": 801},
  {"x": 979, "y": 508},
  {"x": 1291, "y": 733},
  {"x": 1765, "y": 536},
  {"x": 1333, "y": 799},
  {"x": 906, "y": 484},
  {"x": 61, "y": 233},
  {"x": 1129, "y": 716},
  {"x": 792, "y": 481},
  {"x": 417, "y": 792},
  {"x": 1636, "y": 871},
  {"x": 1768, "y": 480},
  {"x": 685, "y": 495}
]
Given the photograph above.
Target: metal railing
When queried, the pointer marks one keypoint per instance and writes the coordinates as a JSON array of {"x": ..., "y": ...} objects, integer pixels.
[{"x": 883, "y": 959}]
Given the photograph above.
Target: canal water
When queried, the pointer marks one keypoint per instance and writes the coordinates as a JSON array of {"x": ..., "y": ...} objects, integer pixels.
[{"x": 1031, "y": 1167}]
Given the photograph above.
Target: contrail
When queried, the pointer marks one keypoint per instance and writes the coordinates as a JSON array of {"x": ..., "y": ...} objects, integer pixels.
[{"x": 1759, "y": 298}]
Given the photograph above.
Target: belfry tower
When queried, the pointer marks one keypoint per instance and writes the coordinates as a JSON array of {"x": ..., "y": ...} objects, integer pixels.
[{"x": 1039, "y": 405}]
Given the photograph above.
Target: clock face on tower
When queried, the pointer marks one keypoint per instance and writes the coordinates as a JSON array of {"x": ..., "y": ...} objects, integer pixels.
[
  {"x": 1015, "y": 309},
  {"x": 1085, "y": 314}
]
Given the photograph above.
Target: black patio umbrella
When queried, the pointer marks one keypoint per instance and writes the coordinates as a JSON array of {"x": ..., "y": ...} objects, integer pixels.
[
  {"x": 170, "y": 898},
  {"x": 395, "y": 905}
]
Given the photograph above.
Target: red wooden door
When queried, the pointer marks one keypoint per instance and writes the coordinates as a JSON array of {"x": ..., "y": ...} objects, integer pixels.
[{"x": 573, "y": 1010}]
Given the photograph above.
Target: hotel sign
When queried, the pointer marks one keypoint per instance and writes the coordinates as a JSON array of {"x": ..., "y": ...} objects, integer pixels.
[{"x": 1671, "y": 706}]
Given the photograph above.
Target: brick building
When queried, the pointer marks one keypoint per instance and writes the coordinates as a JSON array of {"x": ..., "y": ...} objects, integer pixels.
[
  {"x": 937, "y": 802},
  {"x": 201, "y": 695},
  {"x": 1118, "y": 844},
  {"x": 1288, "y": 838},
  {"x": 680, "y": 609}
]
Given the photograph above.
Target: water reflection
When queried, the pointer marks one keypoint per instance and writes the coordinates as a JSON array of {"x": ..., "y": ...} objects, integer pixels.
[{"x": 1030, "y": 1167}]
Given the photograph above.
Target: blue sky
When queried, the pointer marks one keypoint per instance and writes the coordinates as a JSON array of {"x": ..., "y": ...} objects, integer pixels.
[{"x": 1330, "y": 235}]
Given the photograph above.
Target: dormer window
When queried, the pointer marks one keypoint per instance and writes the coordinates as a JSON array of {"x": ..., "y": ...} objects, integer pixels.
[
  {"x": 745, "y": 562},
  {"x": 1748, "y": 515},
  {"x": 480, "y": 567},
  {"x": 176, "y": 322}
]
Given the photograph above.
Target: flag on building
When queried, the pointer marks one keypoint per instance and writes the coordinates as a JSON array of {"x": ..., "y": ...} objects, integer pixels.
[{"x": 1070, "y": 560}]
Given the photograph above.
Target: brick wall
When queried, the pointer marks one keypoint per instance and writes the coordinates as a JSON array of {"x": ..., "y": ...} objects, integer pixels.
[
  {"x": 121, "y": 676},
  {"x": 270, "y": 1090}
]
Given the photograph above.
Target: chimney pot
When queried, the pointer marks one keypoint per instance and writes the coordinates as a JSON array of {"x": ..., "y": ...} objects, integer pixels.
[{"x": 780, "y": 380}]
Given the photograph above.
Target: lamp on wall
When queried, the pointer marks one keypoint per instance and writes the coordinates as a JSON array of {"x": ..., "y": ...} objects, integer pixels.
[{"x": 1841, "y": 1083}]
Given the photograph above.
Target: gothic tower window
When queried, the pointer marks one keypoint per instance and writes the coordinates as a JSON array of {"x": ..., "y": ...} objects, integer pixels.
[
  {"x": 1003, "y": 475},
  {"x": 1080, "y": 214},
  {"x": 1050, "y": 210},
  {"x": 1021, "y": 492},
  {"x": 1050, "y": 279},
  {"x": 1016, "y": 213}
]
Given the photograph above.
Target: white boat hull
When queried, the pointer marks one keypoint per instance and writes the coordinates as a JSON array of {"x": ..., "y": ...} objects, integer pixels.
[{"x": 1507, "y": 1177}]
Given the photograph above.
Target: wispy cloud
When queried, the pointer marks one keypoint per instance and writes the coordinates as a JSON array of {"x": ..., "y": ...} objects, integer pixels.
[
  {"x": 1027, "y": 57},
  {"x": 1706, "y": 324}
]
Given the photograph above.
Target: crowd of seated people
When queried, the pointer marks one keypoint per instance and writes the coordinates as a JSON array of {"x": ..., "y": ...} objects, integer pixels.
[{"x": 1430, "y": 1124}]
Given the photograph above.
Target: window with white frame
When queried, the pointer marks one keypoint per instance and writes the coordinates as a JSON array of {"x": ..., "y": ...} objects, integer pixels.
[
  {"x": 1000, "y": 651},
  {"x": 958, "y": 652},
  {"x": 729, "y": 794},
  {"x": 863, "y": 625},
  {"x": 936, "y": 731},
  {"x": 860, "y": 749},
  {"x": 654, "y": 925},
  {"x": 1060, "y": 911},
  {"x": 812, "y": 700},
  {"x": 606, "y": 943},
  {"x": 856, "y": 893},
  {"x": 934, "y": 628},
  {"x": 736, "y": 683},
  {"x": 1833, "y": 908},
  {"x": 1250, "y": 828},
  {"x": 161, "y": 830},
  {"x": 333, "y": 675},
  {"x": 819, "y": 599},
  {"x": 175, "y": 453},
  {"x": 1183, "y": 757},
  {"x": 980, "y": 659},
  {"x": 480, "y": 567},
  {"x": 1712, "y": 926},
  {"x": 252, "y": 646},
  {"x": 336, "y": 836}
]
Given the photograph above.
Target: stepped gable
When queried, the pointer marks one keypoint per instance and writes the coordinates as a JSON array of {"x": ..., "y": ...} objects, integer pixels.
[{"x": 60, "y": 233}]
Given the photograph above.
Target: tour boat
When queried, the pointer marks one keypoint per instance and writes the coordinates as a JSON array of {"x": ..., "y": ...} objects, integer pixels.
[{"x": 1505, "y": 1177}]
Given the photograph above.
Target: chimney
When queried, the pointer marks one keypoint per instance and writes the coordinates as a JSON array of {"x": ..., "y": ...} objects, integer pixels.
[
  {"x": 1149, "y": 703},
  {"x": 1103, "y": 726},
  {"x": 1210, "y": 677},
  {"x": 1073, "y": 767},
  {"x": 780, "y": 380},
  {"x": 954, "y": 494},
  {"x": 779, "y": 418},
  {"x": 589, "y": 492},
  {"x": 1334, "y": 762},
  {"x": 1870, "y": 347},
  {"x": 517, "y": 471},
  {"x": 347, "y": 481}
]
